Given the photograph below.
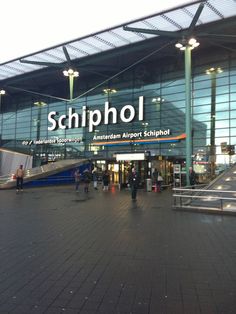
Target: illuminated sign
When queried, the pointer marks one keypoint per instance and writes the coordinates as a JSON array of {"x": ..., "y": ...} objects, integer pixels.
[
  {"x": 132, "y": 135},
  {"x": 93, "y": 118},
  {"x": 134, "y": 156},
  {"x": 52, "y": 141},
  {"x": 139, "y": 141}
]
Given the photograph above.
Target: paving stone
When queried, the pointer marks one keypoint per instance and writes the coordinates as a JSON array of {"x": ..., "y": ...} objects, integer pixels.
[{"x": 109, "y": 255}]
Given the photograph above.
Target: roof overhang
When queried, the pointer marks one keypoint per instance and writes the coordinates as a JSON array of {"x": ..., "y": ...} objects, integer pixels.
[{"x": 80, "y": 49}]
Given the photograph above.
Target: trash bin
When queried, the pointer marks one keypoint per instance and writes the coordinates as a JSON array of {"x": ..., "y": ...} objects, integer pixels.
[{"x": 149, "y": 185}]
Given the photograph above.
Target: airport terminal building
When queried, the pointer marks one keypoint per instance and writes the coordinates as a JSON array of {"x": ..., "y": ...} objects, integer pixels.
[{"x": 119, "y": 95}]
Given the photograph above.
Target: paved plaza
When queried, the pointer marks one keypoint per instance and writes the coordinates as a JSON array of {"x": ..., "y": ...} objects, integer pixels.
[{"x": 64, "y": 252}]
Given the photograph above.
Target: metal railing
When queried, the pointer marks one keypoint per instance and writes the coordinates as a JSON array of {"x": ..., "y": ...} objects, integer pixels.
[{"x": 203, "y": 199}]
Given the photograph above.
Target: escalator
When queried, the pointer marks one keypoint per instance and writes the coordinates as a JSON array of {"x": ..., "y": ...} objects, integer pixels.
[{"x": 218, "y": 196}]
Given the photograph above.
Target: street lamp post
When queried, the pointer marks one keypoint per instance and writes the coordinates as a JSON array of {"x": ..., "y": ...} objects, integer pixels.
[
  {"x": 2, "y": 92},
  {"x": 108, "y": 92},
  {"x": 39, "y": 104},
  {"x": 187, "y": 46},
  {"x": 213, "y": 72},
  {"x": 188, "y": 113},
  {"x": 38, "y": 148},
  {"x": 71, "y": 74}
]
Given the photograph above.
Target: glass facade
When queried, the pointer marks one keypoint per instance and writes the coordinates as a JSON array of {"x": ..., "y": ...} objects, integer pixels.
[{"x": 24, "y": 120}]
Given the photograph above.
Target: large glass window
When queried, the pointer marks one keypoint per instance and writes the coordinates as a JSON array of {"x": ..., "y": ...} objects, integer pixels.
[{"x": 213, "y": 106}]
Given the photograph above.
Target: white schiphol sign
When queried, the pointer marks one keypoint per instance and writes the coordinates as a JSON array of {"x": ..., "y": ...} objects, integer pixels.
[{"x": 93, "y": 118}]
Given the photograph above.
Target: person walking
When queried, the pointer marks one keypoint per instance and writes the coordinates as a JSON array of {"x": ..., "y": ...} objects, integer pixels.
[
  {"x": 20, "y": 173},
  {"x": 87, "y": 179},
  {"x": 192, "y": 177},
  {"x": 95, "y": 179},
  {"x": 134, "y": 183},
  {"x": 155, "y": 175},
  {"x": 77, "y": 179},
  {"x": 106, "y": 180}
]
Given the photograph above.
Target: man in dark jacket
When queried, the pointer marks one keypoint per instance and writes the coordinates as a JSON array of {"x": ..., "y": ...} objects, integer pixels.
[
  {"x": 106, "y": 180},
  {"x": 87, "y": 179},
  {"x": 192, "y": 177},
  {"x": 134, "y": 183}
]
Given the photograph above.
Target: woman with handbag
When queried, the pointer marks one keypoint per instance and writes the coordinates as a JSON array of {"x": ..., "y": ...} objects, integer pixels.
[{"x": 157, "y": 180}]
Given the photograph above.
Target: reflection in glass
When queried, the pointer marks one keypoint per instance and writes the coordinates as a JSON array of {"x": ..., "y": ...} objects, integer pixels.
[{"x": 212, "y": 158}]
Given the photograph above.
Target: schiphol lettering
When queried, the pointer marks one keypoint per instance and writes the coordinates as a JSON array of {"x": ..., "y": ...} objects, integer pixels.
[
  {"x": 93, "y": 118},
  {"x": 156, "y": 133}
]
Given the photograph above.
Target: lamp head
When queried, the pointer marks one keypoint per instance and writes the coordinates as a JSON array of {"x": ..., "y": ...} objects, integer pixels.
[
  {"x": 183, "y": 43},
  {"x": 71, "y": 72}
]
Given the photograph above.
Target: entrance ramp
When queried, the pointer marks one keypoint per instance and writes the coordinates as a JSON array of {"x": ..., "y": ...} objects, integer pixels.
[
  {"x": 219, "y": 196},
  {"x": 44, "y": 171}
]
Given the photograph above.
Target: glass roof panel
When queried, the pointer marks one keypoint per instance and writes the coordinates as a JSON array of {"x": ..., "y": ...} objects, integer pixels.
[
  {"x": 118, "y": 33},
  {"x": 13, "y": 68},
  {"x": 46, "y": 56},
  {"x": 96, "y": 42},
  {"x": 111, "y": 37},
  {"x": 207, "y": 15},
  {"x": 88, "y": 47},
  {"x": 76, "y": 52},
  {"x": 183, "y": 20},
  {"x": 226, "y": 7},
  {"x": 131, "y": 37},
  {"x": 22, "y": 66},
  {"x": 158, "y": 21},
  {"x": 8, "y": 72},
  {"x": 53, "y": 55}
]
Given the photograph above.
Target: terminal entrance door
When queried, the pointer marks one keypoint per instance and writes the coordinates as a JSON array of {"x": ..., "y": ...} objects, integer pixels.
[{"x": 119, "y": 171}]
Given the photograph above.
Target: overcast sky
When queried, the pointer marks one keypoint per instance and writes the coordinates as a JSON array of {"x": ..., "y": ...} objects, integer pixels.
[{"x": 28, "y": 26}]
